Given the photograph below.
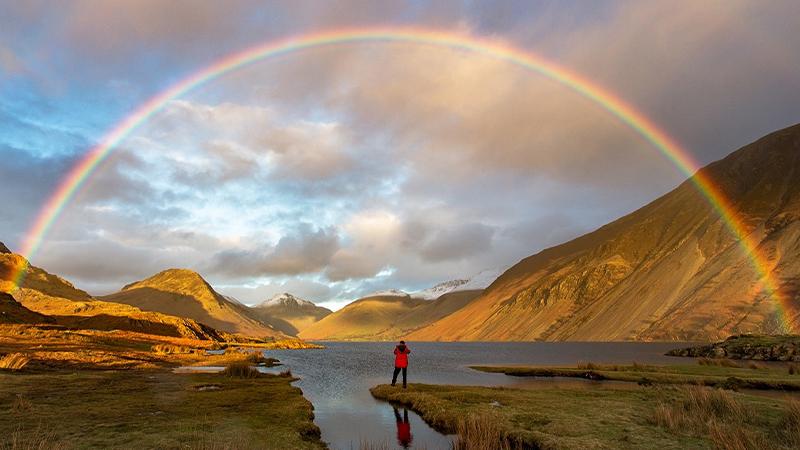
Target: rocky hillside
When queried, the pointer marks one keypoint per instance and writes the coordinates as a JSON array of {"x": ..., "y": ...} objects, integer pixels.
[
  {"x": 51, "y": 298},
  {"x": 184, "y": 293},
  {"x": 289, "y": 314},
  {"x": 668, "y": 271}
]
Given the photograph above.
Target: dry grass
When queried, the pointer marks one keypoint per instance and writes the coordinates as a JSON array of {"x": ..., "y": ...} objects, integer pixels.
[
  {"x": 21, "y": 405},
  {"x": 719, "y": 416},
  {"x": 14, "y": 361},
  {"x": 286, "y": 374},
  {"x": 27, "y": 439},
  {"x": 482, "y": 432},
  {"x": 722, "y": 362},
  {"x": 794, "y": 369},
  {"x": 791, "y": 423},
  {"x": 696, "y": 406},
  {"x": 241, "y": 369},
  {"x": 588, "y": 366}
]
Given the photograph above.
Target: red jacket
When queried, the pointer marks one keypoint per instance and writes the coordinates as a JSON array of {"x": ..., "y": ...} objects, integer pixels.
[{"x": 401, "y": 356}]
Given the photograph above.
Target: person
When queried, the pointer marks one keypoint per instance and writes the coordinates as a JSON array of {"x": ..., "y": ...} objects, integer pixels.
[
  {"x": 400, "y": 362},
  {"x": 404, "y": 437}
]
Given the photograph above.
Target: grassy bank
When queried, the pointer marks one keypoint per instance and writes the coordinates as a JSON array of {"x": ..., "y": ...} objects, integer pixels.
[
  {"x": 671, "y": 417},
  {"x": 715, "y": 373},
  {"x": 153, "y": 409}
]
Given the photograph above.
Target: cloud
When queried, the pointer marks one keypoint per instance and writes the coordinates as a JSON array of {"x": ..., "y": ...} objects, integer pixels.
[
  {"x": 414, "y": 163},
  {"x": 458, "y": 242},
  {"x": 373, "y": 237},
  {"x": 304, "y": 251}
]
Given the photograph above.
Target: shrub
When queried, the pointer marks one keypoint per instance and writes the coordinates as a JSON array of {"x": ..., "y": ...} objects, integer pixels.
[
  {"x": 166, "y": 349},
  {"x": 256, "y": 358},
  {"x": 241, "y": 369}
]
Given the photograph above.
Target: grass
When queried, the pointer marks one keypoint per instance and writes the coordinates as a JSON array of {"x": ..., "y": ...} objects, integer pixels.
[
  {"x": 13, "y": 361},
  {"x": 152, "y": 409},
  {"x": 727, "y": 421},
  {"x": 577, "y": 418},
  {"x": 708, "y": 372}
]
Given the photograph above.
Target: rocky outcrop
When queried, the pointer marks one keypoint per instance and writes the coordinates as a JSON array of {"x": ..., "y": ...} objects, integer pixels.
[{"x": 747, "y": 346}]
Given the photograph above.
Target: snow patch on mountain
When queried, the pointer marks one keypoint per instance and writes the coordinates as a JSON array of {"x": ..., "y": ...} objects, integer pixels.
[
  {"x": 388, "y": 293},
  {"x": 285, "y": 299},
  {"x": 482, "y": 280}
]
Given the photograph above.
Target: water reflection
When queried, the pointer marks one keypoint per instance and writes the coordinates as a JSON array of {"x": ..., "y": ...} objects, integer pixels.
[
  {"x": 337, "y": 380},
  {"x": 404, "y": 436}
]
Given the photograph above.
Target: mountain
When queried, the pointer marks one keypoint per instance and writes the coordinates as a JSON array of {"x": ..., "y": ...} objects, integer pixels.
[
  {"x": 4, "y": 249},
  {"x": 51, "y": 298},
  {"x": 289, "y": 314},
  {"x": 671, "y": 270},
  {"x": 385, "y": 317},
  {"x": 478, "y": 282},
  {"x": 184, "y": 293}
]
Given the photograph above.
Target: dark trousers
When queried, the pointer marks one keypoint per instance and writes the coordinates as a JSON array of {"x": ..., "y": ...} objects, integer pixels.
[{"x": 396, "y": 371}]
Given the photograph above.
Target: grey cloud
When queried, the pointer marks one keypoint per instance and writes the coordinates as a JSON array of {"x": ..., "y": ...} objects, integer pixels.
[
  {"x": 304, "y": 251},
  {"x": 458, "y": 242}
]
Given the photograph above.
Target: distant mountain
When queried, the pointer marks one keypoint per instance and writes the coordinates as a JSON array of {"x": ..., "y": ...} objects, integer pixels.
[
  {"x": 53, "y": 299},
  {"x": 184, "y": 293},
  {"x": 289, "y": 314},
  {"x": 4, "y": 249},
  {"x": 669, "y": 271},
  {"x": 386, "y": 317},
  {"x": 478, "y": 282}
]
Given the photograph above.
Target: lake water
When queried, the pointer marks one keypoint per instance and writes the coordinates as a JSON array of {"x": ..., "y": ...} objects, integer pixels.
[{"x": 337, "y": 380}]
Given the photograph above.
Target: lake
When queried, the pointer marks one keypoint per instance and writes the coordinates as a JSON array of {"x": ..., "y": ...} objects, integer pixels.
[{"x": 337, "y": 380}]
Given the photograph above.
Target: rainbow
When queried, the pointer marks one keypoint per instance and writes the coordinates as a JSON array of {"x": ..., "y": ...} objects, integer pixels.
[{"x": 607, "y": 100}]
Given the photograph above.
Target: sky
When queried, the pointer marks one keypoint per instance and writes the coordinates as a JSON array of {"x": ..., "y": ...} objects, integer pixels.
[{"x": 337, "y": 171}]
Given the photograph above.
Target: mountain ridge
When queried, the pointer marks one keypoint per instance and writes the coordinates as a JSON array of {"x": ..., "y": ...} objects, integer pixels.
[
  {"x": 669, "y": 270},
  {"x": 185, "y": 293}
]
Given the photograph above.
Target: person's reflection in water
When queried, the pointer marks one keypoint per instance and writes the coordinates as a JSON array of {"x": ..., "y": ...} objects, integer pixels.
[{"x": 404, "y": 436}]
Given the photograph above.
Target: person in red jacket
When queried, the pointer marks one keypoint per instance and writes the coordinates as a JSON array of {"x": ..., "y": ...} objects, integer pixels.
[{"x": 400, "y": 362}]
